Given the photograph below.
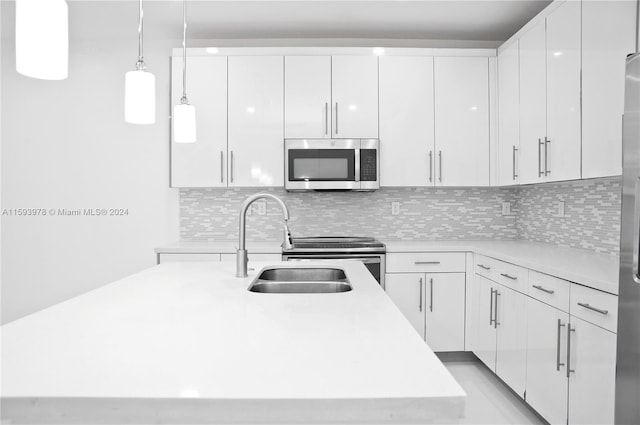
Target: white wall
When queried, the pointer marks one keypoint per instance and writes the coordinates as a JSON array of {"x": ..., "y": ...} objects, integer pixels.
[{"x": 65, "y": 145}]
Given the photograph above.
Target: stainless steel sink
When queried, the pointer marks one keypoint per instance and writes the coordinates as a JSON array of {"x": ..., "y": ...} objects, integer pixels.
[{"x": 300, "y": 280}]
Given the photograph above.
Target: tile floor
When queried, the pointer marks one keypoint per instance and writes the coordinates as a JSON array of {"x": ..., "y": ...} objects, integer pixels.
[{"x": 489, "y": 401}]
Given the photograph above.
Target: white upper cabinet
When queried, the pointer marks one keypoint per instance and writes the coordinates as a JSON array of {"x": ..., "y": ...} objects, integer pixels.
[
  {"x": 307, "y": 97},
  {"x": 509, "y": 115},
  {"x": 563, "y": 144},
  {"x": 406, "y": 121},
  {"x": 256, "y": 121},
  {"x": 533, "y": 104},
  {"x": 608, "y": 31},
  {"x": 461, "y": 154},
  {"x": 355, "y": 97},
  {"x": 201, "y": 164}
]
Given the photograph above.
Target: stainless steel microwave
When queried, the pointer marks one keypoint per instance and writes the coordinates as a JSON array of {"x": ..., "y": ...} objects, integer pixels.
[{"x": 332, "y": 164}]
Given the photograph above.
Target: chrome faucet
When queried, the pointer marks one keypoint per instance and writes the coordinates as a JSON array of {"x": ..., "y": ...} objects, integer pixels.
[{"x": 241, "y": 260}]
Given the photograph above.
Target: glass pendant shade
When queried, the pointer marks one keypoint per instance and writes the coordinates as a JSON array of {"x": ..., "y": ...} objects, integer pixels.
[
  {"x": 184, "y": 123},
  {"x": 42, "y": 39},
  {"x": 140, "y": 97}
]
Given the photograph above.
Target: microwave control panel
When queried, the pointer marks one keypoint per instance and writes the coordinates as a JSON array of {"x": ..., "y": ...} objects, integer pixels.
[{"x": 368, "y": 165}]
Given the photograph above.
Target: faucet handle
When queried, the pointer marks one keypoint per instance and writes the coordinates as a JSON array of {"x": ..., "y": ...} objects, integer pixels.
[{"x": 287, "y": 243}]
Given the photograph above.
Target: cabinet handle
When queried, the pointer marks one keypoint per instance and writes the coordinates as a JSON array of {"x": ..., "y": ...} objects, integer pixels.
[
  {"x": 221, "y": 167},
  {"x": 420, "y": 305},
  {"x": 431, "y": 295},
  {"x": 418, "y": 263},
  {"x": 440, "y": 163},
  {"x": 326, "y": 118},
  {"x": 231, "y": 166},
  {"x": 491, "y": 308},
  {"x": 515, "y": 176},
  {"x": 547, "y": 171},
  {"x": 540, "y": 143},
  {"x": 569, "y": 330},
  {"x": 430, "y": 166},
  {"x": 558, "y": 364},
  {"x": 508, "y": 276},
  {"x": 495, "y": 320},
  {"x": 336, "y": 117},
  {"x": 597, "y": 310},
  {"x": 540, "y": 288},
  {"x": 482, "y": 266}
]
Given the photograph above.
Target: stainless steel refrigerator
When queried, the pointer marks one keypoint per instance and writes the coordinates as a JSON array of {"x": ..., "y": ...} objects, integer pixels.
[{"x": 628, "y": 355}]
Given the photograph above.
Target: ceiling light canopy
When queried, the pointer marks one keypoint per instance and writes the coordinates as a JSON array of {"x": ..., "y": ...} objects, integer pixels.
[{"x": 42, "y": 39}]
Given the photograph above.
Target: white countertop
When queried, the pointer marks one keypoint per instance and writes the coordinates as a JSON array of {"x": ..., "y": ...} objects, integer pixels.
[
  {"x": 594, "y": 270},
  {"x": 188, "y": 339}
]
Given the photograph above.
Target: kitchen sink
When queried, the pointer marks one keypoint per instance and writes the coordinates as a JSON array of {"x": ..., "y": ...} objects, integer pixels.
[{"x": 299, "y": 280}]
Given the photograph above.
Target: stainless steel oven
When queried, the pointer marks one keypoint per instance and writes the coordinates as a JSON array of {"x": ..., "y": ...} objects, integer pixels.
[
  {"x": 332, "y": 164},
  {"x": 367, "y": 250}
]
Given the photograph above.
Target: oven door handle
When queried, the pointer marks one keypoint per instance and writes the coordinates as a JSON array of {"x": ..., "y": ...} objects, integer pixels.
[{"x": 366, "y": 260}]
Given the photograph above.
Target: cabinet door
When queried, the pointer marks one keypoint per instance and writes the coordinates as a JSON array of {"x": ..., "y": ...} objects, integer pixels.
[
  {"x": 256, "y": 121},
  {"x": 445, "y": 307},
  {"x": 509, "y": 115},
  {"x": 307, "y": 97},
  {"x": 511, "y": 353},
  {"x": 201, "y": 164},
  {"x": 607, "y": 37},
  {"x": 407, "y": 291},
  {"x": 563, "y": 145},
  {"x": 533, "y": 103},
  {"x": 355, "y": 97},
  {"x": 406, "y": 121},
  {"x": 462, "y": 121},
  {"x": 592, "y": 382},
  {"x": 546, "y": 361},
  {"x": 486, "y": 343}
]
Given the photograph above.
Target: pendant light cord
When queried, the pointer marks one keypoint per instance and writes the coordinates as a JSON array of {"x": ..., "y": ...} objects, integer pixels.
[
  {"x": 140, "y": 63},
  {"x": 184, "y": 99}
]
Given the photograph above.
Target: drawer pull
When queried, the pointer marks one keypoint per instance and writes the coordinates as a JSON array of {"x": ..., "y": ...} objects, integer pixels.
[
  {"x": 540, "y": 288},
  {"x": 508, "y": 276},
  {"x": 597, "y": 310},
  {"x": 433, "y": 263},
  {"x": 482, "y": 266}
]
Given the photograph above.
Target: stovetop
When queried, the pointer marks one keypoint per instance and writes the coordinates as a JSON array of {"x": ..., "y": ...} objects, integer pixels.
[{"x": 337, "y": 244}]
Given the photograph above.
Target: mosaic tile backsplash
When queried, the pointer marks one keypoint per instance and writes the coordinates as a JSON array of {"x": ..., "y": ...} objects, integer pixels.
[{"x": 592, "y": 214}]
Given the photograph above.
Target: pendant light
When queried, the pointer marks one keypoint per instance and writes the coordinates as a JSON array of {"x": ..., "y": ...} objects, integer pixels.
[
  {"x": 184, "y": 114},
  {"x": 140, "y": 86},
  {"x": 42, "y": 39}
]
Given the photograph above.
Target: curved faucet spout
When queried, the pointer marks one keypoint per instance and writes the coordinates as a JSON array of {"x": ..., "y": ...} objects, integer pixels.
[{"x": 242, "y": 259}]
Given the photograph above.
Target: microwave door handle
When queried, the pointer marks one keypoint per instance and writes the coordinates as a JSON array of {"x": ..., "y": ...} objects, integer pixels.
[{"x": 357, "y": 165}]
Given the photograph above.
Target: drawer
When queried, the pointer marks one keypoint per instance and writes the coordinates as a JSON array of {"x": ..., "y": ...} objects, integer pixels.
[
  {"x": 174, "y": 257},
  {"x": 594, "y": 306},
  {"x": 507, "y": 274},
  {"x": 549, "y": 290},
  {"x": 253, "y": 257},
  {"x": 427, "y": 262}
]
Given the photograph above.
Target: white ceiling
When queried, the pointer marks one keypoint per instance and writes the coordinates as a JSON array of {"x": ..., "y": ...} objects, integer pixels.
[{"x": 481, "y": 20}]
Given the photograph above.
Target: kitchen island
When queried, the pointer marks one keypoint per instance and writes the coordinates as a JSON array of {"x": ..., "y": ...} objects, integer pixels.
[{"x": 187, "y": 343}]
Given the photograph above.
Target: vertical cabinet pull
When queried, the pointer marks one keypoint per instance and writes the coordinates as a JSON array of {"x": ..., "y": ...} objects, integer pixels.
[
  {"x": 491, "y": 308},
  {"x": 221, "y": 167},
  {"x": 231, "y": 166},
  {"x": 495, "y": 315},
  {"x": 336, "y": 117},
  {"x": 547, "y": 171},
  {"x": 420, "y": 302},
  {"x": 440, "y": 166},
  {"x": 431, "y": 295},
  {"x": 326, "y": 118},
  {"x": 540, "y": 143},
  {"x": 558, "y": 364},
  {"x": 569, "y": 330},
  {"x": 430, "y": 166},
  {"x": 515, "y": 150}
]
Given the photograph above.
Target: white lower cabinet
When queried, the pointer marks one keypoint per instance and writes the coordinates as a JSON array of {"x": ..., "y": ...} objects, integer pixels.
[
  {"x": 486, "y": 330},
  {"x": 434, "y": 304}
]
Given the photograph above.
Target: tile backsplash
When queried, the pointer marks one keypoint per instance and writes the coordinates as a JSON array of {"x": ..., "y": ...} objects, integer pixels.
[{"x": 591, "y": 221}]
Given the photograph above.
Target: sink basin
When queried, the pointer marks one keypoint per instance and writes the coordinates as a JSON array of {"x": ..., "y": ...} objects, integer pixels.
[{"x": 301, "y": 280}]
